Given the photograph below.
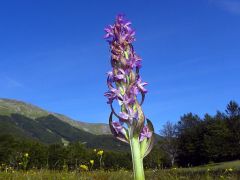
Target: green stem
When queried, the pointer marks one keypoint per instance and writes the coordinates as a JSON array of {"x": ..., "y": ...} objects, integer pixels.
[
  {"x": 101, "y": 162},
  {"x": 137, "y": 159}
]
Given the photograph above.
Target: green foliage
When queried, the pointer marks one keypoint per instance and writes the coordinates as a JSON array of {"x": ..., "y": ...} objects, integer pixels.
[
  {"x": 209, "y": 139},
  {"x": 60, "y": 157},
  {"x": 191, "y": 150}
]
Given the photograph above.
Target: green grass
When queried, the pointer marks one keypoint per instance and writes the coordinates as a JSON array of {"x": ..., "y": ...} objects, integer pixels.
[
  {"x": 117, "y": 175},
  {"x": 225, "y": 170},
  {"x": 223, "y": 166}
]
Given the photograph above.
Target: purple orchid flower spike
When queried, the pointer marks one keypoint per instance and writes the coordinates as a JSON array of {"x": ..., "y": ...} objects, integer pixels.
[{"x": 125, "y": 84}]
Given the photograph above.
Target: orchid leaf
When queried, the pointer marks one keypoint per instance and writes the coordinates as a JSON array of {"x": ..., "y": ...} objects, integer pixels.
[
  {"x": 132, "y": 128},
  {"x": 143, "y": 146}
]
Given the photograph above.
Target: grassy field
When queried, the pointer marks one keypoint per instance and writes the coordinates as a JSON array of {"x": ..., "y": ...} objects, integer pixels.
[{"x": 227, "y": 170}]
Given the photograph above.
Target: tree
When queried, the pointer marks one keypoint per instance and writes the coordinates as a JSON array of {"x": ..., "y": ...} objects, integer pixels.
[
  {"x": 169, "y": 140},
  {"x": 233, "y": 109},
  {"x": 215, "y": 133},
  {"x": 233, "y": 122},
  {"x": 190, "y": 136}
]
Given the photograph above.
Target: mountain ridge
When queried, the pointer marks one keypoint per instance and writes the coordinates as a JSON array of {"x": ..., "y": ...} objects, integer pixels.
[
  {"x": 28, "y": 121},
  {"x": 13, "y": 106},
  {"x": 50, "y": 130}
]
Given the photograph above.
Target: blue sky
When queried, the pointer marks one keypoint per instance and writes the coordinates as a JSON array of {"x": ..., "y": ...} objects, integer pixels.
[{"x": 52, "y": 54}]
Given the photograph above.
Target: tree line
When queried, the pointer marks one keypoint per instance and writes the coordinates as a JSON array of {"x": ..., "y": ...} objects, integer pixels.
[
  {"x": 196, "y": 141},
  {"x": 24, "y": 154}
]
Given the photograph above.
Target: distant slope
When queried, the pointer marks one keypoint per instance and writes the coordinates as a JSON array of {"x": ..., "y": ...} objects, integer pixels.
[
  {"x": 10, "y": 106},
  {"x": 28, "y": 121},
  {"x": 49, "y": 130}
]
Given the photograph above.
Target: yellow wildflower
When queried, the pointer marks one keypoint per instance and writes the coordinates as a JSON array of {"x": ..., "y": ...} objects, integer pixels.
[
  {"x": 26, "y": 154},
  {"x": 230, "y": 169},
  {"x": 91, "y": 162},
  {"x": 100, "y": 153},
  {"x": 83, "y": 167}
]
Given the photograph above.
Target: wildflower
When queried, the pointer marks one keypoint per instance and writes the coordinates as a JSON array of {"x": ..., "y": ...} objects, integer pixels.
[
  {"x": 124, "y": 85},
  {"x": 141, "y": 85},
  {"x": 92, "y": 162},
  {"x": 117, "y": 126},
  {"x": 100, "y": 153},
  {"x": 145, "y": 133},
  {"x": 26, "y": 155},
  {"x": 230, "y": 169},
  {"x": 84, "y": 167},
  {"x": 94, "y": 150}
]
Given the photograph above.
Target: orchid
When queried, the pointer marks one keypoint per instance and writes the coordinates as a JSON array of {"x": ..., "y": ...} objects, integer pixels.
[
  {"x": 117, "y": 126},
  {"x": 124, "y": 85},
  {"x": 141, "y": 85},
  {"x": 145, "y": 133}
]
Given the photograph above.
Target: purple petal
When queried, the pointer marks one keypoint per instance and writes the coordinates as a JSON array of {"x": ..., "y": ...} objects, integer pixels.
[
  {"x": 110, "y": 73},
  {"x": 146, "y": 133},
  {"x": 120, "y": 76},
  {"x": 122, "y": 135},
  {"x": 117, "y": 126},
  {"x": 134, "y": 90},
  {"x": 121, "y": 71},
  {"x": 110, "y": 95},
  {"x": 109, "y": 32},
  {"x": 123, "y": 115},
  {"x": 141, "y": 85},
  {"x": 141, "y": 138}
]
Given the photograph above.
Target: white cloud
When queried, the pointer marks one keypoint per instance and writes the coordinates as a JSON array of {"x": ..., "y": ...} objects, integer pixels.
[
  {"x": 13, "y": 83},
  {"x": 232, "y": 6},
  {"x": 8, "y": 82}
]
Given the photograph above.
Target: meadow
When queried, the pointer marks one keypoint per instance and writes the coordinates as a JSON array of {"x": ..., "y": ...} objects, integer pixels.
[{"x": 226, "y": 170}]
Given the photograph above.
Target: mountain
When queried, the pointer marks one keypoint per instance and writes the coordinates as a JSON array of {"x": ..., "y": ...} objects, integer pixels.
[
  {"x": 10, "y": 106},
  {"x": 27, "y": 121}
]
